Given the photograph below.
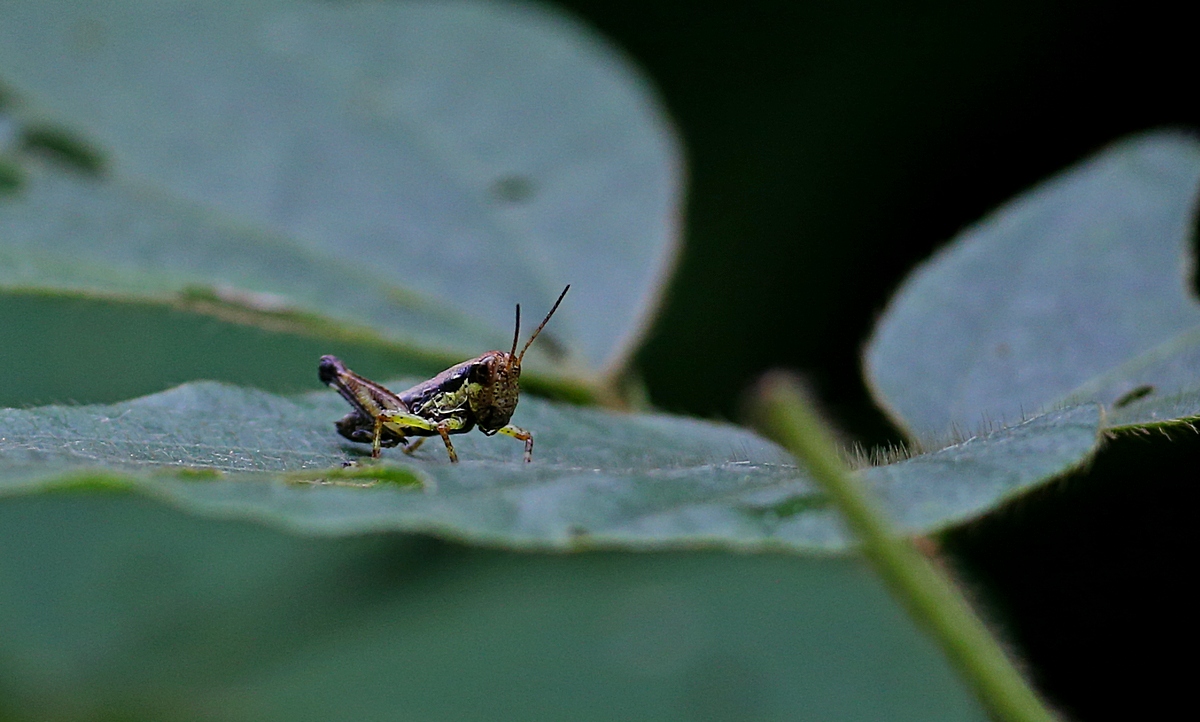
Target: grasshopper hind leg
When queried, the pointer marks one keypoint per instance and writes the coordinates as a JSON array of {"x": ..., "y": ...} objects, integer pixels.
[{"x": 375, "y": 443}]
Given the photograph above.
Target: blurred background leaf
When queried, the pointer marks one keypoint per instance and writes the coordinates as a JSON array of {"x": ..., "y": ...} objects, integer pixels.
[
  {"x": 410, "y": 169},
  {"x": 1075, "y": 289}
]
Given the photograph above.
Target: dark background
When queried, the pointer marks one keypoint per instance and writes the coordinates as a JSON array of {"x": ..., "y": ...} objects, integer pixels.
[{"x": 832, "y": 146}]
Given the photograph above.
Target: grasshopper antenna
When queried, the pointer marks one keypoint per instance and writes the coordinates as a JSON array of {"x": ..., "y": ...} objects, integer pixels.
[
  {"x": 542, "y": 325},
  {"x": 516, "y": 332}
]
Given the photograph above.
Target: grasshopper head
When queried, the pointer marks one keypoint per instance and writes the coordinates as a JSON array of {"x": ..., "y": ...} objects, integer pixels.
[
  {"x": 493, "y": 387},
  {"x": 494, "y": 382}
]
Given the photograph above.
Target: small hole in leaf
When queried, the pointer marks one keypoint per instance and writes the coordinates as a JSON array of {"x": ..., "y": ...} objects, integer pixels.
[
  {"x": 64, "y": 148},
  {"x": 513, "y": 189},
  {"x": 1127, "y": 398}
]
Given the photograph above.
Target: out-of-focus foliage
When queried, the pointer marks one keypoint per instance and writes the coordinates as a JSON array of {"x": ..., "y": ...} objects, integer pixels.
[
  {"x": 1072, "y": 292},
  {"x": 406, "y": 169}
]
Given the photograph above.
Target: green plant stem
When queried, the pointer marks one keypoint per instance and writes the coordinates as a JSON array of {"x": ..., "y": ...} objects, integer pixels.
[{"x": 930, "y": 597}]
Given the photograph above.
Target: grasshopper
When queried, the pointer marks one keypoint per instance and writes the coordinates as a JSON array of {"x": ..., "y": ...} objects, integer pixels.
[{"x": 481, "y": 392}]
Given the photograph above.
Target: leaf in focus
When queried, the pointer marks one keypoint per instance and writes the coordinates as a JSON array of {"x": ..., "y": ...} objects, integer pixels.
[
  {"x": 411, "y": 169},
  {"x": 599, "y": 479},
  {"x": 960, "y": 482},
  {"x": 1074, "y": 292}
]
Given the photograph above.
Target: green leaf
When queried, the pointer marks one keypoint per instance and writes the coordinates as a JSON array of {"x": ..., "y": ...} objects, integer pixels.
[
  {"x": 599, "y": 479},
  {"x": 962, "y": 481},
  {"x": 414, "y": 169},
  {"x": 1156, "y": 411},
  {"x": 1076, "y": 291},
  {"x": 134, "y": 348},
  {"x": 1158, "y": 387},
  {"x": 123, "y": 241},
  {"x": 115, "y": 607}
]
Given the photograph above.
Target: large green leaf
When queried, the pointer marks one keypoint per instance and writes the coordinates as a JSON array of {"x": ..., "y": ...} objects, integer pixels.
[
  {"x": 1076, "y": 291},
  {"x": 411, "y": 168},
  {"x": 599, "y": 479},
  {"x": 116, "y": 608},
  {"x": 134, "y": 348},
  {"x": 72, "y": 233}
]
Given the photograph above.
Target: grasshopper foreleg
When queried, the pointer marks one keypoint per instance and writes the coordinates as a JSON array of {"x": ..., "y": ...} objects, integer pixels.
[{"x": 521, "y": 435}]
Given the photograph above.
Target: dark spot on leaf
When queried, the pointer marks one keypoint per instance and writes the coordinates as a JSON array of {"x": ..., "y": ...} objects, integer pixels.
[
  {"x": 551, "y": 346},
  {"x": 63, "y": 147},
  {"x": 11, "y": 177},
  {"x": 197, "y": 292},
  {"x": 1127, "y": 398},
  {"x": 1003, "y": 350},
  {"x": 789, "y": 507},
  {"x": 513, "y": 189}
]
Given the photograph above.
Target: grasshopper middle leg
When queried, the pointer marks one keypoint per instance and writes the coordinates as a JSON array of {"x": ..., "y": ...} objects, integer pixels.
[
  {"x": 444, "y": 432},
  {"x": 401, "y": 421}
]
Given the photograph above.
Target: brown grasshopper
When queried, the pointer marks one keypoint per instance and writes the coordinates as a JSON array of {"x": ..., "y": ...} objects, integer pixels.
[{"x": 482, "y": 392}]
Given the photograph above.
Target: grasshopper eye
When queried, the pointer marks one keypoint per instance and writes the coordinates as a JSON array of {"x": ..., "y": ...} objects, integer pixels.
[{"x": 483, "y": 370}]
